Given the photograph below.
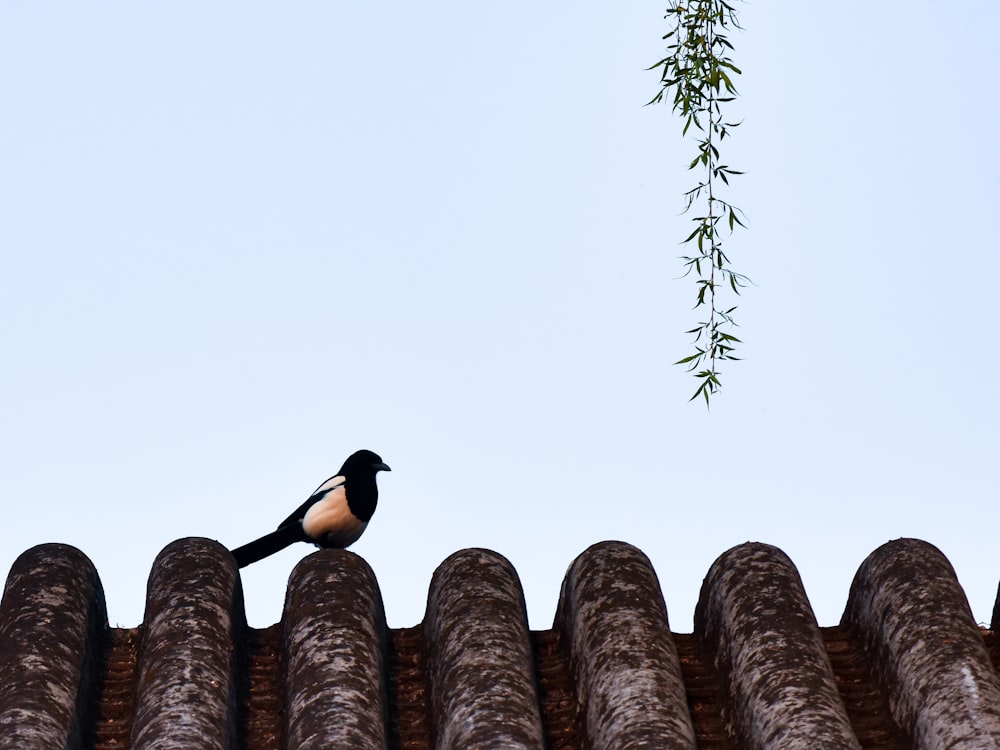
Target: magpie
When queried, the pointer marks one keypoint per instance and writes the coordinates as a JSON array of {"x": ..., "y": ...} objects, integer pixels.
[{"x": 334, "y": 516}]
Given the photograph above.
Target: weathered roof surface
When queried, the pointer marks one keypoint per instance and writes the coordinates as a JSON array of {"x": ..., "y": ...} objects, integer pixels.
[{"x": 907, "y": 667}]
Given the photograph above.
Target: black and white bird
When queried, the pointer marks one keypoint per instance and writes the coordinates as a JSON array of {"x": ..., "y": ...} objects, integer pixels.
[{"x": 334, "y": 516}]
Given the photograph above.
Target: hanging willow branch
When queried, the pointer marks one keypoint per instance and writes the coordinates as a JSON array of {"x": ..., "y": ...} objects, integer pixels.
[{"x": 699, "y": 72}]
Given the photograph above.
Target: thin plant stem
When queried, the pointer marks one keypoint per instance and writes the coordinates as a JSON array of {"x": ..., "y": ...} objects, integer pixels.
[{"x": 695, "y": 70}]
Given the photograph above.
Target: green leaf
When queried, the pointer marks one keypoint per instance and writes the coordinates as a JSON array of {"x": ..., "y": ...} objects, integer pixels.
[{"x": 698, "y": 75}]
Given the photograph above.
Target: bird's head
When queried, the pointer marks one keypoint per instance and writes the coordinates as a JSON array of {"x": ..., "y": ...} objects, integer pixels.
[{"x": 363, "y": 462}]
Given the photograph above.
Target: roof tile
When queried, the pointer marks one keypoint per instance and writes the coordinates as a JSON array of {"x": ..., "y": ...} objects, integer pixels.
[
  {"x": 925, "y": 647},
  {"x": 483, "y": 689},
  {"x": 52, "y": 629},
  {"x": 334, "y": 652},
  {"x": 623, "y": 658},
  {"x": 754, "y": 615},
  {"x": 906, "y": 668},
  {"x": 186, "y": 687}
]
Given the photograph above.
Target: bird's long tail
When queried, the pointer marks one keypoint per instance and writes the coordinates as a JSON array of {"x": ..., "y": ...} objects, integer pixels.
[{"x": 268, "y": 544}]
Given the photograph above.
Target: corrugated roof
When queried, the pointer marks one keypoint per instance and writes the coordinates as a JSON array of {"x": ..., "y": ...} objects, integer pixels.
[{"x": 906, "y": 667}]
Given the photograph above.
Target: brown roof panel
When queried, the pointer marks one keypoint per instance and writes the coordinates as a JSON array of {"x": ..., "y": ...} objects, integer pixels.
[
  {"x": 185, "y": 693},
  {"x": 479, "y": 656},
  {"x": 333, "y": 647},
  {"x": 53, "y": 627},
  {"x": 622, "y": 655},
  {"x": 754, "y": 616},
  {"x": 925, "y": 647},
  {"x": 906, "y": 668}
]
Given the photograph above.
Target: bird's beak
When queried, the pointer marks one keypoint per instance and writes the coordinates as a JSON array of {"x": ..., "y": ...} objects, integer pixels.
[{"x": 381, "y": 467}]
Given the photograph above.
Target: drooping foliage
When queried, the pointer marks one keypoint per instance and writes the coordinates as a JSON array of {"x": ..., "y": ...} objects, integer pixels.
[{"x": 697, "y": 76}]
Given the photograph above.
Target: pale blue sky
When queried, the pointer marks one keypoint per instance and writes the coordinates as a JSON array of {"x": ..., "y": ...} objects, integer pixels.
[{"x": 242, "y": 240}]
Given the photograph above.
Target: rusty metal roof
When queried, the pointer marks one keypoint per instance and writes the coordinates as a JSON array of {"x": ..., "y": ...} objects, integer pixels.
[{"x": 907, "y": 667}]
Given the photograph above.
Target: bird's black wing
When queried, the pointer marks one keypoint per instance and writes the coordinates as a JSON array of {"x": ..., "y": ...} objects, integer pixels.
[
  {"x": 295, "y": 519},
  {"x": 268, "y": 544}
]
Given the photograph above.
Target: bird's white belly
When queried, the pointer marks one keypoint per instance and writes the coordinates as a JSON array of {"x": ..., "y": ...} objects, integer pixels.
[{"x": 330, "y": 522}]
